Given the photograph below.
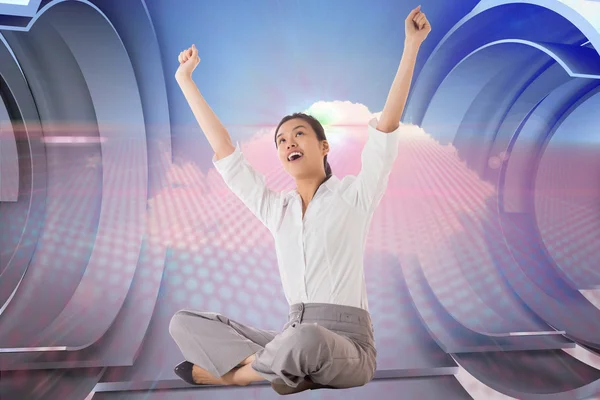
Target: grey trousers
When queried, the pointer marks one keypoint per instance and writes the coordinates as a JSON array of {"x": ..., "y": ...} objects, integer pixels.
[{"x": 331, "y": 344}]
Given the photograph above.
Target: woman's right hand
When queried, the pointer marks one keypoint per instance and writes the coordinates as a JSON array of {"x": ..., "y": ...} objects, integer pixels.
[{"x": 188, "y": 61}]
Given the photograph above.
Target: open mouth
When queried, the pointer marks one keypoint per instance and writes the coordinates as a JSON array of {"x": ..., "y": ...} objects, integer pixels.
[{"x": 295, "y": 156}]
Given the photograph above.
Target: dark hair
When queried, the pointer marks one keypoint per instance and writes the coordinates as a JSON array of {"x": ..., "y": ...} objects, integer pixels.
[{"x": 317, "y": 127}]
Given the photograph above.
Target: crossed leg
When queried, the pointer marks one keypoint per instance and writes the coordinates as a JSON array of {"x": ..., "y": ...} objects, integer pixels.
[
  {"x": 241, "y": 375},
  {"x": 189, "y": 328},
  {"x": 308, "y": 350}
]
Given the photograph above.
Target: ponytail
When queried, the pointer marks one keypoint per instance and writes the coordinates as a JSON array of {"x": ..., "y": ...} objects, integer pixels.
[{"x": 328, "y": 172}]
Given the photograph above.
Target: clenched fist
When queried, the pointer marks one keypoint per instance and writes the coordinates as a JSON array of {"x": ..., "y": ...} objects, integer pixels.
[
  {"x": 416, "y": 26},
  {"x": 188, "y": 61}
]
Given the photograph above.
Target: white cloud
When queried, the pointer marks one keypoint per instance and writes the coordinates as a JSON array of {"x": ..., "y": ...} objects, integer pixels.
[{"x": 341, "y": 113}]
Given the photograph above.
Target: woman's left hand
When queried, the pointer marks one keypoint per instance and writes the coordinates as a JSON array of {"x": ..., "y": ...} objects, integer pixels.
[{"x": 416, "y": 27}]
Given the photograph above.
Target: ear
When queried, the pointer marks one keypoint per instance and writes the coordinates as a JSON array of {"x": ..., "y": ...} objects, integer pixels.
[{"x": 325, "y": 145}]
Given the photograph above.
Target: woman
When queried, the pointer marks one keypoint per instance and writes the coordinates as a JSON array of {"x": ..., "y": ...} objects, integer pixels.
[{"x": 320, "y": 230}]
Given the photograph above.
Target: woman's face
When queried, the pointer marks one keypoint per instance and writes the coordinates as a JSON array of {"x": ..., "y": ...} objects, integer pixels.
[{"x": 300, "y": 151}]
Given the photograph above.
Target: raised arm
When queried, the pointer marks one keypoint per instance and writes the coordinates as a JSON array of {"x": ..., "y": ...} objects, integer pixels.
[
  {"x": 215, "y": 132},
  {"x": 380, "y": 151},
  {"x": 243, "y": 180},
  {"x": 416, "y": 27}
]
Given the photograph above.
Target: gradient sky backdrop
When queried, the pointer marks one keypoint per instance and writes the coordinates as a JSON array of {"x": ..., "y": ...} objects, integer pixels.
[{"x": 261, "y": 60}]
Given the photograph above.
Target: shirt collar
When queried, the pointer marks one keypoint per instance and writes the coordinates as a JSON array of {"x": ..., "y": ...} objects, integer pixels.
[{"x": 330, "y": 184}]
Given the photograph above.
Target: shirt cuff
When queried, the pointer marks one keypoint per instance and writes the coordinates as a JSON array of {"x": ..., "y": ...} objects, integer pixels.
[
  {"x": 226, "y": 164},
  {"x": 385, "y": 141}
]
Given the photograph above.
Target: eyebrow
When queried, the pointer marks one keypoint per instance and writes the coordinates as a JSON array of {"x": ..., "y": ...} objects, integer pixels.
[{"x": 299, "y": 126}]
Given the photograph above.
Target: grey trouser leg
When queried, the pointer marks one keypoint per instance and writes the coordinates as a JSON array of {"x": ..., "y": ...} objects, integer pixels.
[
  {"x": 333, "y": 345},
  {"x": 310, "y": 350},
  {"x": 214, "y": 342}
]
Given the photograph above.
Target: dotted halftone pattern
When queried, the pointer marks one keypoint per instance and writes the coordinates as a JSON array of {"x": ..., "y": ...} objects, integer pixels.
[
  {"x": 66, "y": 241},
  {"x": 435, "y": 207},
  {"x": 439, "y": 209},
  {"x": 402, "y": 341},
  {"x": 223, "y": 258},
  {"x": 60, "y": 274},
  {"x": 20, "y": 222},
  {"x": 227, "y": 258},
  {"x": 117, "y": 240},
  {"x": 13, "y": 218},
  {"x": 567, "y": 210}
]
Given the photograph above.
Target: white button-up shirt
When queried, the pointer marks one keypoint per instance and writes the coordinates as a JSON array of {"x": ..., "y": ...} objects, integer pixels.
[{"x": 320, "y": 257}]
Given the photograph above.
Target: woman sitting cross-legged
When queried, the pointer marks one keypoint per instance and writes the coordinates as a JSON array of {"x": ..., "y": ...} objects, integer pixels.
[{"x": 320, "y": 229}]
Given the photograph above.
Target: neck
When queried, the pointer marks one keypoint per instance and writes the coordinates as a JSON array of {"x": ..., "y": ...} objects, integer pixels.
[{"x": 307, "y": 187}]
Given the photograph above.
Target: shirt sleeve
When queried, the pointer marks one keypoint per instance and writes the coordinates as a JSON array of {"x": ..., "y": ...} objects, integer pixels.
[
  {"x": 249, "y": 186},
  {"x": 377, "y": 158}
]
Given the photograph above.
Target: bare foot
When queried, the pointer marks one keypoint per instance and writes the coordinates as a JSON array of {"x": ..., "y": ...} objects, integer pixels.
[
  {"x": 242, "y": 375},
  {"x": 247, "y": 360},
  {"x": 203, "y": 377}
]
